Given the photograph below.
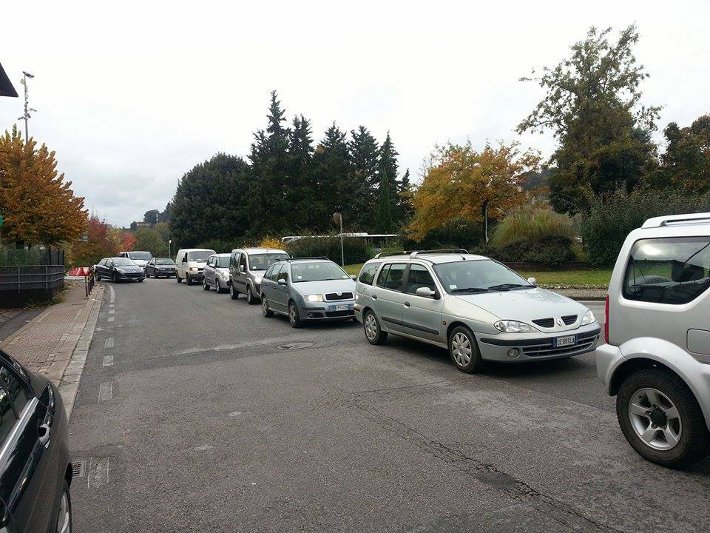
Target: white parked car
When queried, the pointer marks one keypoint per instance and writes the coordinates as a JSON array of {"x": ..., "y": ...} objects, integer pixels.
[{"x": 656, "y": 359}]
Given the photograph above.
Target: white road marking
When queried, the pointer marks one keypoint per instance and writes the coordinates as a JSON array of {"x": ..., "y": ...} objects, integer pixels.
[
  {"x": 235, "y": 413},
  {"x": 111, "y": 311},
  {"x": 108, "y": 343},
  {"x": 203, "y": 448},
  {"x": 106, "y": 391},
  {"x": 108, "y": 360},
  {"x": 111, "y": 319},
  {"x": 113, "y": 294},
  {"x": 98, "y": 472}
]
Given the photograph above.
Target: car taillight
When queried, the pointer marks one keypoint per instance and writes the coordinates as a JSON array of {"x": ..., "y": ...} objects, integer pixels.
[{"x": 606, "y": 320}]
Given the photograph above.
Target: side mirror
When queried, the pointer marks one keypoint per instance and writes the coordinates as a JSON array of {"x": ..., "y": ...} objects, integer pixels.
[
  {"x": 241, "y": 268},
  {"x": 282, "y": 281},
  {"x": 184, "y": 259},
  {"x": 532, "y": 281},
  {"x": 425, "y": 292},
  {"x": 353, "y": 277}
]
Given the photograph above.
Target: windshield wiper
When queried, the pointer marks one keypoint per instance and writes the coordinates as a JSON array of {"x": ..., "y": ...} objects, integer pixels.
[
  {"x": 508, "y": 286},
  {"x": 470, "y": 289}
]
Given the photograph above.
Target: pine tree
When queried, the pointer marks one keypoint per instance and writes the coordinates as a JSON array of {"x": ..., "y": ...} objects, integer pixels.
[
  {"x": 364, "y": 153},
  {"x": 300, "y": 186},
  {"x": 387, "y": 178},
  {"x": 268, "y": 205},
  {"x": 335, "y": 186},
  {"x": 384, "y": 220}
]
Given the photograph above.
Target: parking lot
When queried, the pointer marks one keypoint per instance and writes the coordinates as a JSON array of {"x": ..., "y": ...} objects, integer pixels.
[{"x": 195, "y": 413}]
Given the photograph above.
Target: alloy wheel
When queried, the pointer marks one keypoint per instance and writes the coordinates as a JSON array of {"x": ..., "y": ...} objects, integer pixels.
[{"x": 655, "y": 419}]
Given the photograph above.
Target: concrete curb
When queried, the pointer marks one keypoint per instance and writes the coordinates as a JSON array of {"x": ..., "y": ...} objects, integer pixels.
[{"x": 69, "y": 383}]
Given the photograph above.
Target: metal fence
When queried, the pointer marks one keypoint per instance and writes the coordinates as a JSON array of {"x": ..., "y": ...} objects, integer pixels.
[{"x": 31, "y": 278}]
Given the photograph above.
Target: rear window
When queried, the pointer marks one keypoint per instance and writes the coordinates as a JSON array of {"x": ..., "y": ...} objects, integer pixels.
[
  {"x": 367, "y": 274},
  {"x": 668, "y": 271}
]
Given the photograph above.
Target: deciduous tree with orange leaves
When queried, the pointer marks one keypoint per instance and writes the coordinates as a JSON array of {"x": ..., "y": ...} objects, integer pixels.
[
  {"x": 460, "y": 182},
  {"x": 37, "y": 203}
]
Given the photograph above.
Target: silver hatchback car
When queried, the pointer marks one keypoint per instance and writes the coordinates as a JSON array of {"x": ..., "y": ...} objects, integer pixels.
[
  {"x": 656, "y": 358},
  {"x": 476, "y": 307}
]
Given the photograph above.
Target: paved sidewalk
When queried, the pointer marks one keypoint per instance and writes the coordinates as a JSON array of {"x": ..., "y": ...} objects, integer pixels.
[{"x": 56, "y": 342}]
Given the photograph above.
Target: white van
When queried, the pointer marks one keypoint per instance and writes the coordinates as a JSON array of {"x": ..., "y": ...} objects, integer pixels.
[
  {"x": 140, "y": 258},
  {"x": 191, "y": 264}
]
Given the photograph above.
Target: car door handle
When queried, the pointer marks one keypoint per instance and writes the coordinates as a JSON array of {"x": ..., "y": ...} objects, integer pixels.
[
  {"x": 44, "y": 432},
  {"x": 406, "y": 304},
  {"x": 374, "y": 297}
]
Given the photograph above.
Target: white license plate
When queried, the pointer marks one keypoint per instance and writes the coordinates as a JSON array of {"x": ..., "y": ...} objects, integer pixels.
[
  {"x": 565, "y": 341},
  {"x": 342, "y": 308}
]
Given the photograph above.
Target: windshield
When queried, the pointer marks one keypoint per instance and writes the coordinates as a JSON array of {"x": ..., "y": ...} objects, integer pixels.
[
  {"x": 478, "y": 276},
  {"x": 320, "y": 271},
  {"x": 141, "y": 256},
  {"x": 200, "y": 255},
  {"x": 123, "y": 261},
  {"x": 222, "y": 261},
  {"x": 264, "y": 261},
  {"x": 164, "y": 261}
]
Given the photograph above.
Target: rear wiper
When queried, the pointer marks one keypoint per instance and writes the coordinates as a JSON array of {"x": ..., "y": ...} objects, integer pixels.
[
  {"x": 470, "y": 289},
  {"x": 507, "y": 286}
]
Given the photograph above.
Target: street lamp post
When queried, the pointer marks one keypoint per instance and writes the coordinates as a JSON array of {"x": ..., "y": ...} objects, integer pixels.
[
  {"x": 170, "y": 242},
  {"x": 26, "y": 116}
]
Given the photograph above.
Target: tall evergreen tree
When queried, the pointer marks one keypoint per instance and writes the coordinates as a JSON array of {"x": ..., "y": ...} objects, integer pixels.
[
  {"x": 269, "y": 209},
  {"x": 333, "y": 170},
  {"x": 404, "y": 198},
  {"x": 384, "y": 220},
  {"x": 364, "y": 154},
  {"x": 387, "y": 178},
  {"x": 300, "y": 190}
]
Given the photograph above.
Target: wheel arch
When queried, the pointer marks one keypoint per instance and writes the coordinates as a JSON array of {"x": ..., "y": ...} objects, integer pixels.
[
  {"x": 633, "y": 365},
  {"x": 454, "y": 325}
]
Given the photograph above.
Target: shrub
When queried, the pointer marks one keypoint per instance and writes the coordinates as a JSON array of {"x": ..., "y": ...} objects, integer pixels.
[
  {"x": 271, "y": 242},
  {"x": 553, "y": 250},
  {"x": 612, "y": 216},
  {"x": 530, "y": 224},
  {"x": 356, "y": 250},
  {"x": 534, "y": 234},
  {"x": 456, "y": 233}
]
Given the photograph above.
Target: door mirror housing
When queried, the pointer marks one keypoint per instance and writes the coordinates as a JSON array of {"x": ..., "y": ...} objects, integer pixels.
[
  {"x": 425, "y": 292},
  {"x": 184, "y": 259},
  {"x": 353, "y": 277},
  {"x": 282, "y": 281},
  {"x": 532, "y": 281},
  {"x": 241, "y": 268}
]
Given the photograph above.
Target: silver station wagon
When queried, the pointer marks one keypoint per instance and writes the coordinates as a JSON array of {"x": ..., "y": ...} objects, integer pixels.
[{"x": 476, "y": 307}]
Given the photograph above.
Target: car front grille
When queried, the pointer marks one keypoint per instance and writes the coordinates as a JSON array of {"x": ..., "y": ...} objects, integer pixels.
[
  {"x": 331, "y": 296},
  {"x": 569, "y": 319},
  {"x": 545, "y": 322},
  {"x": 585, "y": 341}
]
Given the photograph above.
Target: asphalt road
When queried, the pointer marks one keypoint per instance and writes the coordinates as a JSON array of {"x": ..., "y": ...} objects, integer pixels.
[{"x": 191, "y": 416}]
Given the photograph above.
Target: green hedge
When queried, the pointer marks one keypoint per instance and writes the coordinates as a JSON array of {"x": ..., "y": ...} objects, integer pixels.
[
  {"x": 613, "y": 216},
  {"x": 554, "y": 250},
  {"x": 356, "y": 250}
]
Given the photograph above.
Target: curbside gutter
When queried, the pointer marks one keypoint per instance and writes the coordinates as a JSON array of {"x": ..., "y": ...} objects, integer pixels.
[{"x": 69, "y": 383}]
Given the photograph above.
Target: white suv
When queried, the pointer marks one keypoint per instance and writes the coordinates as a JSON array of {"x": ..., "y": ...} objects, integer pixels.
[{"x": 656, "y": 359}]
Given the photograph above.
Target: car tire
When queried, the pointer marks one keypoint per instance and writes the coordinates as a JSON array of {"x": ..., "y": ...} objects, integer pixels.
[
  {"x": 373, "y": 331},
  {"x": 115, "y": 277},
  {"x": 265, "y": 311},
  {"x": 177, "y": 278},
  {"x": 63, "y": 522},
  {"x": 250, "y": 296},
  {"x": 140, "y": 280},
  {"x": 294, "y": 318},
  {"x": 681, "y": 437},
  {"x": 463, "y": 350},
  {"x": 233, "y": 294},
  {"x": 205, "y": 286},
  {"x": 188, "y": 279}
]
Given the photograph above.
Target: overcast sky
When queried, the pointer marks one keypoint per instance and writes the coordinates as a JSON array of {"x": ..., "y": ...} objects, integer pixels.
[{"x": 131, "y": 95}]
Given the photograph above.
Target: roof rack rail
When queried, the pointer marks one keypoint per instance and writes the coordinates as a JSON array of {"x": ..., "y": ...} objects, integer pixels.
[
  {"x": 657, "y": 222},
  {"x": 415, "y": 253},
  {"x": 388, "y": 254},
  {"x": 299, "y": 258}
]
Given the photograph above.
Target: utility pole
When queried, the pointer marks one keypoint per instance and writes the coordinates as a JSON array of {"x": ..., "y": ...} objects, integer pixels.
[{"x": 26, "y": 115}]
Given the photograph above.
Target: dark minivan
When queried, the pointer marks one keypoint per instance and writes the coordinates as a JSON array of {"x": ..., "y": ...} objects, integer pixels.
[{"x": 35, "y": 468}]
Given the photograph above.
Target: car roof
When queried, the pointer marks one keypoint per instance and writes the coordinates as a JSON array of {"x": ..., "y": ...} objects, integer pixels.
[{"x": 225, "y": 254}]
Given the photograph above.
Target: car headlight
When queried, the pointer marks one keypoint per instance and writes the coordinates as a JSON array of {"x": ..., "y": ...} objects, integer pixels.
[
  {"x": 120, "y": 271},
  {"x": 193, "y": 269},
  {"x": 314, "y": 298},
  {"x": 513, "y": 326},
  {"x": 588, "y": 318}
]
